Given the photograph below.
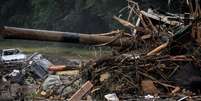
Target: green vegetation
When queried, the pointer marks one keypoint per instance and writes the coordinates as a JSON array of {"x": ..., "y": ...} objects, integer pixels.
[{"x": 86, "y": 16}]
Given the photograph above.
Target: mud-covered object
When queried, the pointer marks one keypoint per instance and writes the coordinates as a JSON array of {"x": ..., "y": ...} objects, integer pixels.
[
  {"x": 58, "y": 85},
  {"x": 51, "y": 81},
  {"x": 40, "y": 67},
  {"x": 189, "y": 77},
  {"x": 15, "y": 76},
  {"x": 16, "y": 92}
]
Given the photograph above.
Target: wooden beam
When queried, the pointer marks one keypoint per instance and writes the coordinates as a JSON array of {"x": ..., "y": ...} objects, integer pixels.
[
  {"x": 81, "y": 92},
  {"x": 160, "y": 17},
  {"x": 157, "y": 49}
]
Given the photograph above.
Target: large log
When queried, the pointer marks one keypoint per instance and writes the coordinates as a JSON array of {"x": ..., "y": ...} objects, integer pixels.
[{"x": 57, "y": 36}]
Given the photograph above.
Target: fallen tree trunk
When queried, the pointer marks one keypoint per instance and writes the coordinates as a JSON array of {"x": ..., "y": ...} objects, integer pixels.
[{"x": 57, "y": 36}]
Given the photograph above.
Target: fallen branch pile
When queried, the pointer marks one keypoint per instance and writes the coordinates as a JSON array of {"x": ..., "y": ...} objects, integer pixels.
[{"x": 164, "y": 59}]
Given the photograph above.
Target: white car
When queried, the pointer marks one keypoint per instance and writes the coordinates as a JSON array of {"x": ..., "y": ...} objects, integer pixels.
[{"x": 12, "y": 56}]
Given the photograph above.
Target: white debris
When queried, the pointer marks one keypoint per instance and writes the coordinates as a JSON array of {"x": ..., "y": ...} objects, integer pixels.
[
  {"x": 14, "y": 73},
  {"x": 183, "y": 98},
  {"x": 149, "y": 97},
  {"x": 111, "y": 97}
]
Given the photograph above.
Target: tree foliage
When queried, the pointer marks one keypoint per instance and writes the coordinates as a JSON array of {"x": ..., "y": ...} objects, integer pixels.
[{"x": 86, "y": 16}]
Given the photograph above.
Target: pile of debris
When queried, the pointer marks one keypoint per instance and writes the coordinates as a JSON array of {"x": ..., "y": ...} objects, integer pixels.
[
  {"x": 158, "y": 57},
  {"x": 163, "y": 61},
  {"x": 36, "y": 75}
]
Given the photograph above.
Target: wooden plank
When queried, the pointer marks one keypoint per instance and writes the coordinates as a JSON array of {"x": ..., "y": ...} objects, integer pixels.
[
  {"x": 162, "y": 18},
  {"x": 158, "y": 49},
  {"x": 130, "y": 25},
  {"x": 137, "y": 24},
  {"x": 81, "y": 92}
]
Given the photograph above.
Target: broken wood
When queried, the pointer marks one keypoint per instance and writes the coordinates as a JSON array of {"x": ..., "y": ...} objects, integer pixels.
[
  {"x": 81, "y": 92},
  {"x": 130, "y": 25},
  {"x": 160, "y": 17},
  {"x": 136, "y": 24},
  {"x": 68, "y": 72},
  {"x": 196, "y": 32},
  {"x": 177, "y": 89},
  {"x": 158, "y": 49},
  {"x": 62, "y": 67}
]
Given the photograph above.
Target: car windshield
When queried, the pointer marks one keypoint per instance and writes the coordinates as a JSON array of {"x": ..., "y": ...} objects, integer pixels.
[{"x": 11, "y": 52}]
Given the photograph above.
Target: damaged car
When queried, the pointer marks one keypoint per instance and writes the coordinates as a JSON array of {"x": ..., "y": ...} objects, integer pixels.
[{"x": 10, "y": 57}]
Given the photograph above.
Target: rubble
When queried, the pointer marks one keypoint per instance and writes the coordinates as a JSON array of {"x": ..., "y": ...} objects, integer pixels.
[
  {"x": 55, "y": 85},
  {"x": 38, "y": 71},
  {"x": 158, "y": 58},
  {"x": 168, "y": 59}
]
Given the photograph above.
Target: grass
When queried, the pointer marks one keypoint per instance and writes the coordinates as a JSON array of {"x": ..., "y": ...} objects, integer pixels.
[{"x": 55, "y": 48}]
